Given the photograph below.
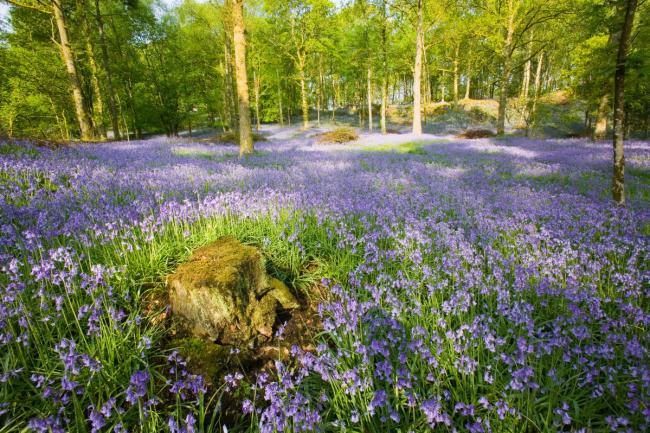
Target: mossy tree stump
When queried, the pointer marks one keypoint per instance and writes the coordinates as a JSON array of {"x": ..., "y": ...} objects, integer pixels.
[{"x": 223, "y": 293}]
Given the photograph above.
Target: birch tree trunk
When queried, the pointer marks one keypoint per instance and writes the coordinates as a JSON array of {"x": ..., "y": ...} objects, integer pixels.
[
  {"x": 280, "y": 115},
  {"x": 417, "y": 72},
  {"x": 319, "y": 90},
  {"x": 369, "y": 92},
  {"x": 456, "y": 52},
  {"x": 507, "y": 66},
  {"x": 109, "y": 74},
  {"x": 229, "y": 85},
  {"x": 303, "y": 93},
  {"x": 384, "y": 78},
  {"x": 83, "y": 118},
  {"x": 239, "y": 39},
  {"x": 527, "y": 71},
  {"x": 618, "y": 178},
  {"x": 98, "y": 102},
  {"x": 468, "y": 82},
  {"x": 256, "y": 83}
]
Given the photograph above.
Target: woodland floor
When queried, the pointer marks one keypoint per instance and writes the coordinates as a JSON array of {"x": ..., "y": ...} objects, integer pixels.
[{"x": 478, "y": 285}]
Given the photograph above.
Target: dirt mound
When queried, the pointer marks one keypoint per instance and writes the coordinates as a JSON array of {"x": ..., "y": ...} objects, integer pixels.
[
  {"x": 337, "y": 136},
  {"x": 476, "y": 133}
]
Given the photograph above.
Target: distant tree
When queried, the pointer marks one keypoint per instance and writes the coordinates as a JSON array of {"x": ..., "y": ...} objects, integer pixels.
[
  {"x": 627, "y": 10},
  {"x": 417, "y": 69}
]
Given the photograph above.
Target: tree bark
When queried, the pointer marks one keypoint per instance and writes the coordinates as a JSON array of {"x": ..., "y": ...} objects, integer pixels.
[
  {"x": 229, "y": 85},
  {"x": 469, "y": 81},
  {"x": 507, "y": 65},
  {"x": 98, "y": 102},
  {"x": 280, "y": 115},
  {"x": 369, "y": 92},
  {"x": 81, "y": 111},
  {"x": 527, "y": 71},
  {"x": 618, "y": 178},
  {"x": 456, "y": 53},
  {"x": 256, "y": 83},
  {"x": 600, "y": 130},
  {"x": 417, "y": 72},
  {"x": 319, "y": 89},
  {"x": 384, "y": 78},
  {"x": 109, "y": 74},
  {"x": 303, "y": 92},
  {"x": 239, "y": 39}
]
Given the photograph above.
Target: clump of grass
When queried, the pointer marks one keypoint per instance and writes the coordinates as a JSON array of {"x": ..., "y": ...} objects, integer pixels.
[
  {"x": 338, "y": 136},
  {"x": 233, "y": 138},
  {"x": 477, "y": 133}
]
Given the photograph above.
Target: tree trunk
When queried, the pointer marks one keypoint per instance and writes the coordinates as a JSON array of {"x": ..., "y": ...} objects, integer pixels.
[
  {"x": 618, "y": 178},
  {"x": 98, "y": 103},
  {"x": 456, "y": 52},
  {"x": 538, "y": 74},
  {"x": 527, "y": 70},
  {"x": 229, "y": 85},
  {"x": 536, "y": 89},
  {"x": 280, "y": 115},
  {"x": 369, "y": 92},
  {"x": 600, "y": 130},
  {"x": 68, "y": 58},
  {"x": 256, "y": 83},
  {"x": 384, "y": 78},
  {"x": 417, "y": 72},
  {"x": 507, "y": 65},
  {"x": 469, "y": 81},
  {"x": 303, "y": 92},
  {"x": 319, "y": 89},
  {"x": 109, "y": 75},
  {"x": 239, "y": 39}
]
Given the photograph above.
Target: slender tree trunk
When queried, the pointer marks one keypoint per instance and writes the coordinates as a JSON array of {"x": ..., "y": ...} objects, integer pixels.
[
  {"x": 229, "y": 84},
  {"x": 536, "y": 89},
  {"x": 303, "y": 92},
  {"x": 280, "y": 115},
  {"x": 369, "y": 92},
  {"x": 98, "y": 102},
  {"x": 239, "y": 39},
  {"x": 527, "y": 71},
  {"x": 384, "y": 78},
  {"x": 468, "y": 82},
  {"x": 335, "y": 99},
  {"x": 417, "y": 73},
  {"x": 507, "y": 65},
  {"x": 256, "y": 83},
  {"x": 456, "y": 54},
  {"x": 600, "y": 130},
  {"x": 538, "y": 74},
  {"x": 81, "y": 110},
  {"x": 109, "y": 74},
  {"x": 618, "y": 178},
  {"x": 319, "y": 96}
]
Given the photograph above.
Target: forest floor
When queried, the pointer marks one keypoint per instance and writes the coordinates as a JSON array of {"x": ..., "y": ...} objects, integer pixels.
[{"x": 482, "y": 285}]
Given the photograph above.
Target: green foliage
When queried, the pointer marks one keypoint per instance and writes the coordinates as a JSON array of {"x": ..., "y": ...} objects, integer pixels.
[{"x": 170, "y": 66}]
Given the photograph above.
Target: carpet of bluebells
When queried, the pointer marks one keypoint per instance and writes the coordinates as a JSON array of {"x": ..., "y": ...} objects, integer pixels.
[{"x": 475, "y": 286}]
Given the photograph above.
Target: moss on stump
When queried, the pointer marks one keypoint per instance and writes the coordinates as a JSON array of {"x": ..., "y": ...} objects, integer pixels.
[{"x": 223, "y": 293}]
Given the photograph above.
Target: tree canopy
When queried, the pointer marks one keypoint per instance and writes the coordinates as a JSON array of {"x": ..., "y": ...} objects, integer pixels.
[{"x": 129, "y": 68}]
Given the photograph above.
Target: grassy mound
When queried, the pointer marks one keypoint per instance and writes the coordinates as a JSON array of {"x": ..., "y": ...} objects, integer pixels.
[
  {"x": 337, "y": 136},
  {"x": 233, "y": 138}
]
